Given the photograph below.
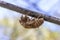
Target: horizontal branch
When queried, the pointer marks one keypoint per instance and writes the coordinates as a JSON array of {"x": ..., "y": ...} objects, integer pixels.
[{"x": 29, "y": 12}]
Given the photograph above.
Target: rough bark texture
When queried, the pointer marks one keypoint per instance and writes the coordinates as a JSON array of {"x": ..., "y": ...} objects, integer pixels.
[{"x": 29, "y": 12}]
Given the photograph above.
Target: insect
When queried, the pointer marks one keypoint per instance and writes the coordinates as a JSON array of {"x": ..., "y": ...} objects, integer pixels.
[{"x": 27, "y": 22}]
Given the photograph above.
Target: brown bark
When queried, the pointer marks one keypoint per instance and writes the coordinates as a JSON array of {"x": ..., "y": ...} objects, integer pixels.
[{"x": 29, "y": 12}]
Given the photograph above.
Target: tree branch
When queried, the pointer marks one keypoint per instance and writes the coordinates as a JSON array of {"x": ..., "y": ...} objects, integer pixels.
[{"x": 29, "y": 12}]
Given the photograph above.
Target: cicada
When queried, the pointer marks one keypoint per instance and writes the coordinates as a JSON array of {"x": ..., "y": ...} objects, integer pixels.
[{"x": 27, "y": 22}]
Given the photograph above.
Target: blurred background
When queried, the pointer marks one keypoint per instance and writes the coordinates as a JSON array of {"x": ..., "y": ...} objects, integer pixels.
[{"x": 10, "y": 28}]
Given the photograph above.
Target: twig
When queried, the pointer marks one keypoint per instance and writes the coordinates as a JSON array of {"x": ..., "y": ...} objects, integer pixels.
[{"x": 29, "y": 12}]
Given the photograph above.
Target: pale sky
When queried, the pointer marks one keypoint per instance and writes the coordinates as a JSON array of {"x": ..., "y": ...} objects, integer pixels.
[{"x": 44, "y": 5}]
